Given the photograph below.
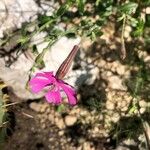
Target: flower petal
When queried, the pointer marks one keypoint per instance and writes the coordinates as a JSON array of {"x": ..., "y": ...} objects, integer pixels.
[
  {"x": 40, "y": 80},
  {"x": 70, "y": 92},
  {"x": 53, "y": 97},
  {"x": 45, "y": 74}
]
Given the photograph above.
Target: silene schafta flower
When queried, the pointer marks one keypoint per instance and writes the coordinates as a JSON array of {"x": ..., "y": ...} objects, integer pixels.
[{"x": 54, "y": 83}]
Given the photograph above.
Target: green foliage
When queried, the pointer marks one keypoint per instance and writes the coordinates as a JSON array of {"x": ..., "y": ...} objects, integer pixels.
[
  {"x": 80, "y": 5},
  {"x": 3, "y": 113},
  {"x": 62, "y": 9},
  {"x": 60, "y": 108},
  {"x": 88, "y": 26},
  {"x": 103, "y": 9},
  {"x": 139, "y": 28},
  {"x": 128, "y": 8},
  {"x": 42, "y": 19}
]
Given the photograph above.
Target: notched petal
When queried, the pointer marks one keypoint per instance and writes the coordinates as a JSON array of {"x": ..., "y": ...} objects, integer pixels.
[
  {"x": 70, "y": 92},
  {"x": 53, "y": 97},
  {"x": 41, "y": 80}
]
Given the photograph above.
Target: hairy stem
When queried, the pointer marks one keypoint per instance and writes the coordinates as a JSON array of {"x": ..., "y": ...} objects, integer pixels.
[{"x": 123, "y": 49}]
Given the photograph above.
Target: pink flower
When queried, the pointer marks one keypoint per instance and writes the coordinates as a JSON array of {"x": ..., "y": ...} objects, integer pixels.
[
  {"x": 54, "y": 82},
  {"x": 47, "y": 79}
]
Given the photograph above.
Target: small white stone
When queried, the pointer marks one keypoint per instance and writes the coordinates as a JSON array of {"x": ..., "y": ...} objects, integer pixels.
[
  {"x": 126, "y": 34},
  {"x": 148, "y": 104},
  {"x": 124, "y": 109},
  {"x": 43, "y": 108},
  {"x": 120, "y": 70},
  {"x": 142, "y": 103},
  {"x": 83, "y": 113},
  {"x": 115, "y": 117},
  {"x": 147, "y": 10},
  {"x": 109, "y": 73},
  {"x": 147, "y": 58},
  {"x": 123, "y": 103},
  {"x": 70, "y": 120},
  {"x": 35, "y": 106},
  {"x": 110, "y": 105},
  {"x": 142, "y": 110},
  {"x": 96, "y": 129},
  {"x": 116, "y": 83},
  {"x": 128, "y": 28},
  {"x": 59, "y": 123},
  {"x": 51, "y": 117},
  {"x": 61, "y": 133}
]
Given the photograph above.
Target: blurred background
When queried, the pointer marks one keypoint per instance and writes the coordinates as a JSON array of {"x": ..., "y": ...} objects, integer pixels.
[{"x": 111, "y": 74}]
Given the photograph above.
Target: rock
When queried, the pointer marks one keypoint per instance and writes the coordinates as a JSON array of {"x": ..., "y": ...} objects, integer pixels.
[
  {"x": 110, "y": 105},
  {"x": 147, "y": 58},
  {"x": 87, "y": 146},
  {"x": 79, "y": 147},
  {"x": 147, "y": 10},
  {"x": 59, "y": 123},
  {"x": 148, "y": 104},
  {"x": 127, "y": 145},
  {"x": 61, "y": 133},
  {"x": 83, "y": 113},
  {"x": 128, "y": 29},
  {"x": 43, "y": 107},
  {"x": 96, "y": 129},
  {"x": 94, "y": 71},
  {"x": 52, "y": 59},
  {"x": 142, "y": 110},
  {"x": 143, "y": 104},
  {"x": 51, "y": 117},
  {"x": 15, "y": 12},
  {"x": 35, "y": 106},
  {"x": 123, "y": 103},
  {"x": 121, "y": 147},
  {"x": 124, "y": 109},
  {"x": 115, "y": 83},
  {"x": 115, "y": 117},
  {"x": 121, "y": 70},
  {"x": 43, "y": 125},
  {"x": 70, "y": 120}
]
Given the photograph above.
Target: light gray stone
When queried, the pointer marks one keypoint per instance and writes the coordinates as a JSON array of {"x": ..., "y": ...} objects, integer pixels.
[{"x": 14, "y": 13}]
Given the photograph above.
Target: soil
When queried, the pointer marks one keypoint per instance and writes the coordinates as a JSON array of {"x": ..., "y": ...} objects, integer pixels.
[{"x": 29, "y": 133}]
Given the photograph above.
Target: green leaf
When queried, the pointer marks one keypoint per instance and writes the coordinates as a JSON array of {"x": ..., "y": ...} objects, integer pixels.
[
  {"x": 61, "y": 108},
  {"x": 81, "y": 4},
  {"x": 3, "y": 113},
  {"x": 139, "y": 28},
  {"x": 93, "y": 36},
  {"x": 43, "y": 19},
  {"x": 34, "y": 49},
  {"x": 24, "y": 29},
  {"x": 132, "y": 109},
  {"x": 39, "y": 63},
  {"x": 23, "y": 40},
  {"x": 128, "y": 8},
  {"x": 97, "y": 2},
  {"x": 62, "y": 10},
  {"x": 121, "y": 18},
  {"x": 133, "y": 21}
]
